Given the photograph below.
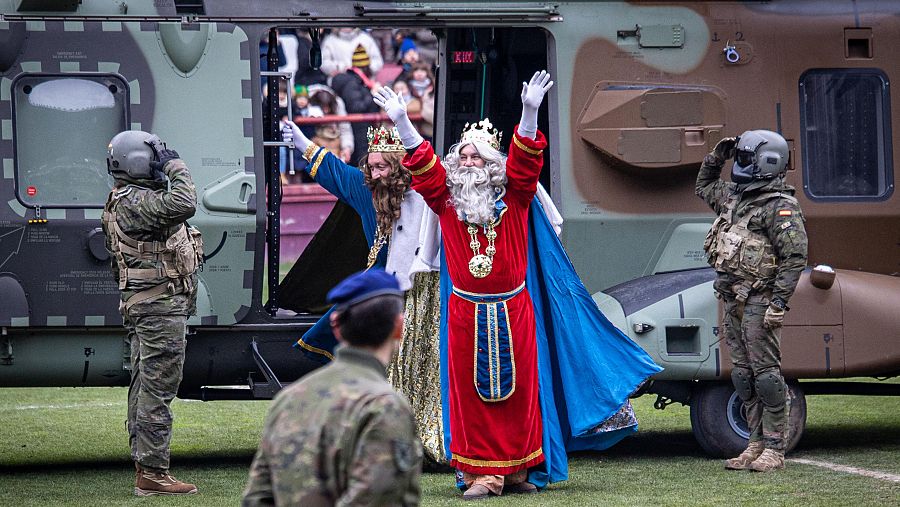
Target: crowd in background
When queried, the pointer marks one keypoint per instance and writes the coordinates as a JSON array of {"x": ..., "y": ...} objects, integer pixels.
[{"x": 355, "y": 63}]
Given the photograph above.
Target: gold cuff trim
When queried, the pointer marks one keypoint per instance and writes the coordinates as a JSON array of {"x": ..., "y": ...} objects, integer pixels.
[
  {"x": 316, "y": 350},
  {"x": 310, "y": 150},
  {"x": 315, "y": 167},
  {"x": 524, "y": 148},
  {"x": 425, "y": 169},
  {"x": 486, "y": 463}
]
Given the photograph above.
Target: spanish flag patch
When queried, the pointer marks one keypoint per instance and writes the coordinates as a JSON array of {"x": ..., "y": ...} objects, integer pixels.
[{"x": 785, "y": 212}]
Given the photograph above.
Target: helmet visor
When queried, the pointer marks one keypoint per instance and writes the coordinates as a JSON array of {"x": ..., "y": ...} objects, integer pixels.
[{"x": 744, "y": 158}]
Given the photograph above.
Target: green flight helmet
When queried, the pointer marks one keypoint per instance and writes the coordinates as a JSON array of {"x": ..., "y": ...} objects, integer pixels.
[
  {"x": 759, "y": 155},
  {"x": 129, "y": 155}
]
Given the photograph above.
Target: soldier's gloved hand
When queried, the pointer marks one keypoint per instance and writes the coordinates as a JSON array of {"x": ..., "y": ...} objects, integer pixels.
[
  {"x": 725, "y": 149},
  {"x": 163, "y": 156},
  {"x": 774, "y": 317}
]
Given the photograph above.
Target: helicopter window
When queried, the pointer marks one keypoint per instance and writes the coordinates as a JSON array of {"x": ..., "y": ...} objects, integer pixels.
[
  {"x": 62, "y": 125},
  {"x": 845, "y": 115}
]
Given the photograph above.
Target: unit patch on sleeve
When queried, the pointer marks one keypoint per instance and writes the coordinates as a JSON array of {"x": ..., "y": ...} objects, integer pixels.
[{"x": 785, "y": 212}]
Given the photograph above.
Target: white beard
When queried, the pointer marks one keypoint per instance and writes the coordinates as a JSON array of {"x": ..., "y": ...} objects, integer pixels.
[{"x": 472, "y": 195}]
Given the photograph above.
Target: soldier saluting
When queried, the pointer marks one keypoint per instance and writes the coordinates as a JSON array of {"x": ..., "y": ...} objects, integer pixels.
[
  {"x": 758, "y": 246},
  {"x": 155, "y": 256}
]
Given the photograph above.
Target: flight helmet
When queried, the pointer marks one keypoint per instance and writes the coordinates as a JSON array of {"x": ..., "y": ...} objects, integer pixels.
[
  {"x": 129, "y": 155},
  {"x": 759, "y": 155}
]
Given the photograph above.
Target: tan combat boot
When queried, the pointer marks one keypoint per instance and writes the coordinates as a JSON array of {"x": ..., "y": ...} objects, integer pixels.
[
  {"x": 742, "y": 462},
  {"x": 767, "y": 461},
  {"x": 153, "y": 482}
]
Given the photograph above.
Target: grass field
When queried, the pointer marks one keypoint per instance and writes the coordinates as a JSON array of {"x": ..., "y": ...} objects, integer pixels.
[{"x": 67, "y": 446}]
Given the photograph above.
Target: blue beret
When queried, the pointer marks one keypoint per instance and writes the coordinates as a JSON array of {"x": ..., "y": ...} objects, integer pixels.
[{"x": 362, "y": 286}]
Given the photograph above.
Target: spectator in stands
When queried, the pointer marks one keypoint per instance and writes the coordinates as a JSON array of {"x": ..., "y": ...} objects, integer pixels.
[
  {"x": 354, "y": 88},
  {"x": 324, "y": 97},
  {"x": 339, "y": 47},
  {"x": 421, "y": 79}
]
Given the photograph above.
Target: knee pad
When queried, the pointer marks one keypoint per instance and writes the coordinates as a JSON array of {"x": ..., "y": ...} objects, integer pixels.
[
  {"x": 771, "y": 388},
  {"x": 742, "y": 378}
]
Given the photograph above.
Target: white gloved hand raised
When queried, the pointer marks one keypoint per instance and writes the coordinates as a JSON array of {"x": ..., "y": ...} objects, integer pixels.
[
  {"x": 290, "y": 131},
  {"x": 392, "y": 104},
  {"x": 395, "y": 108},
  {"x": 532, "y": 95}
]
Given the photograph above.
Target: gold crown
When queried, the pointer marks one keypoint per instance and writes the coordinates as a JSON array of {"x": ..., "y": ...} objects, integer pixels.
[
  {"x": 383, "y": 140},
  {"x": 482, "y": 131}
]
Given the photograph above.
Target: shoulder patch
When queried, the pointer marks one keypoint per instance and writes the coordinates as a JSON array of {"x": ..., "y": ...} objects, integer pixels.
[
  {"x": 785, "y": 225},
  {"x": 785, "y": 212}
]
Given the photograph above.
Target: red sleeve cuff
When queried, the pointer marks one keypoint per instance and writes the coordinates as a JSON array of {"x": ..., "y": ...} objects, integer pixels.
[
  {"x": 534, "y": 146},
  {"x": 420, "y": 161}
]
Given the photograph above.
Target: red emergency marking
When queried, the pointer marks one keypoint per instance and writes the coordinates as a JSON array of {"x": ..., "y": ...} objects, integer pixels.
[
  {"x": 463, "y": 57},
  {"x": 31, "y": 191}
]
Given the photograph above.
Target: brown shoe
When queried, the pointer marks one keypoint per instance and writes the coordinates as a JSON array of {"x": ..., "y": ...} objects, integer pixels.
[
  {"x": 767, "y": 461},
  {"x": 742, "y": 462},
  {"x": 151, "y": 482},
  {"x": 477, "y": 492},
  {"x": 520, "y": 488}
]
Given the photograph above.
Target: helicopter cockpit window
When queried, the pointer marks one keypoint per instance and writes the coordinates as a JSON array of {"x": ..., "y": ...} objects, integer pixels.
[
  {"x": 845, "y": 115},
  {"x": 63, "y": 124}
]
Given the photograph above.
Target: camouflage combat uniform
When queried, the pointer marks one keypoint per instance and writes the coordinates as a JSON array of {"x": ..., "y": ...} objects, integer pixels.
[
  {"x": 339, "y": 436},
  {"x": 147, "y": 211},
  {"x": 768, "y": 209}
]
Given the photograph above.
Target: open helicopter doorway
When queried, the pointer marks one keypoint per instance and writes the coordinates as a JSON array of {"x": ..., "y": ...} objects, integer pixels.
[{"x": 459, "y": 76}]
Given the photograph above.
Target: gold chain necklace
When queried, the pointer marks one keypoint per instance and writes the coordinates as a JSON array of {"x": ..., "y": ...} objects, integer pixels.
[
  {"x": 380, "y": 240},
  {"x": 480, "y": 265}
]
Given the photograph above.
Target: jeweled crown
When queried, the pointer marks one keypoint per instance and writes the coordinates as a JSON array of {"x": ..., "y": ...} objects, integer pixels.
[
  {"x": 482, "y": 131},
  {"x": 383, "y": 140}
]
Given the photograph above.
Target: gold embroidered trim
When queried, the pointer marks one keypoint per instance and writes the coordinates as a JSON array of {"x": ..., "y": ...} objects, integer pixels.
[
  {"x": 425, "y": 169},
  {"x": 524, "y": 148},
  {"x": 315, "y": 167},
  {"x": 507, "y": 295},
  {"x": 487, "y": 463},
  {"x": 316, "y": 350},
  {"x": 310, "y": 150},
  {"x": 494, "y": 352}
]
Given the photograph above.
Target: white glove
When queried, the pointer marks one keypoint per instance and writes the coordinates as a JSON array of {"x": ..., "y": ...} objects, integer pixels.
[
  {"x": 532, "y": 95},
  {"x": 291, "y": 132},
  {"x": 396, "y": 110}
]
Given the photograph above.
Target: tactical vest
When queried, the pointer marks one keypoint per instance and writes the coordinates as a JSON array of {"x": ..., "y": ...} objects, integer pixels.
[
  {"x": 176, "y": 259},
  {"x": 731, "y": 247}
]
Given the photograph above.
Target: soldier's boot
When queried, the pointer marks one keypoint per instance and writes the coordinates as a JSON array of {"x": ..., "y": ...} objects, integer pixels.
[
  {"x": 160, "y": 482},
  {"x": 767, "y": 461},
  {"x": 742, "y": 462}
]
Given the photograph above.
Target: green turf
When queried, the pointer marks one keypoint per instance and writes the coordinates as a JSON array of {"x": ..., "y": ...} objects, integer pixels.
[{"x": 65, "y": 446}]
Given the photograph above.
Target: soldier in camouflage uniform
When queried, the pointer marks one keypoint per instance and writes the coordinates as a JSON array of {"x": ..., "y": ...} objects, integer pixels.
[
  {"x": 758, "y": 246},
  {"x": 154, "y": 258},
  {"x": 341, "y": 435}
]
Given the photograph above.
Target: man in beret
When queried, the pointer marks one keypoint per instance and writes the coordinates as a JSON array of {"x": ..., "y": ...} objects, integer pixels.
[{"x": 341, "y": 435}]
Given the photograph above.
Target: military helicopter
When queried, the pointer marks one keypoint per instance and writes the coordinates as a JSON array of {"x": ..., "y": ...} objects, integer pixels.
[{"x": 644, "y": 91}]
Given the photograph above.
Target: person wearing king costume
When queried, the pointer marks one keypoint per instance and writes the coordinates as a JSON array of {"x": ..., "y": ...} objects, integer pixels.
[
  {"x": 758, "y": 247},
  {"x": 512, "y": 412},
  {"x": 341, "y": 435},
  {"x": 154, "y": 257},
  {"x": 391, "y": 213}
]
